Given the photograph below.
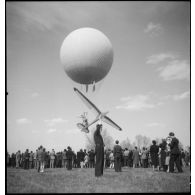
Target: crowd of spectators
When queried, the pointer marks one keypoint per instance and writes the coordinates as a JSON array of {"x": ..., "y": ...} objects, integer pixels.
[{"x": 156, "y": 156}]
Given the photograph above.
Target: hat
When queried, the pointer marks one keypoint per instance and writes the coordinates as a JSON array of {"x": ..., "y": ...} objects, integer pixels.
[{"x": 69, "y": 148}]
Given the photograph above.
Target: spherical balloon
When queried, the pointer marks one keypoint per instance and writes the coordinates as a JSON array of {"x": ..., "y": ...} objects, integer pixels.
[{"x": 86, "y": 55}]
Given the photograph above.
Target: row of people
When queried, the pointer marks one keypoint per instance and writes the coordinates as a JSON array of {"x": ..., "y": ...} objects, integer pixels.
[
  {"x": 29, "y": 160},
  {"x": 157, "y": 156},
  {"x": 166, "y": 155}
]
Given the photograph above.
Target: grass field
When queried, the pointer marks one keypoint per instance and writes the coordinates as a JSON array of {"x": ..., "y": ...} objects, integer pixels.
[{"x": 130, "y": 180}]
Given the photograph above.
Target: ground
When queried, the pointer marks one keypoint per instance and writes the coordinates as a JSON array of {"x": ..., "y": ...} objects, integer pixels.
[{"x": 79, "y": 180}]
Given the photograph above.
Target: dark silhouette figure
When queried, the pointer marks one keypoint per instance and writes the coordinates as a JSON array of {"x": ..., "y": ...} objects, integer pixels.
[
  {"x": 117, "y": 157},
  {"x": 91, "y": 159},
  {"x": 99, "y": 151},
  {"x": 175, "y": 154},
  {"x": 163, "y": 155},
  {"x": 154, "y": 149},
  {"x": 26, "y": 159},
  {"x": 69, "y": 155}
]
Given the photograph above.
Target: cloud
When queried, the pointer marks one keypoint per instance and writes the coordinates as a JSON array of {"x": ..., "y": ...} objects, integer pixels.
[
  {"x": 175, "y": 70},
  {"x": 23, "y": 121},
  {"x": 182, "y": 96},
  {"x": 35, "y": 94},
  {"x": 136, "y": 103},
  {"x": 157, "y": 58},
  {"x": 72, "y": 131},
  {"x": 149, "y": 101},
  {"x": 51, "y": 130},
  {"x": 170, "y": 67},
  {"x": 178, "y": 97},
  {"x": 46, "y": 16},
  {"x": 55, "y": 121},
  {"x": 33, "y": 15},
  {"x": 153, "y": 29}
]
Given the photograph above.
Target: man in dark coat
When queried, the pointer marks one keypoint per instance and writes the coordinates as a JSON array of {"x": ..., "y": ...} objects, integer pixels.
[
  {"x": 69, "y": 157},
  {"x": 78, "y": 159},
  {"x": 13, "y": 160},
  {"x": 154, "y": 149},
  {"x": 91, "y": 159},
  {"x": 82, "y": 155},
  {"x": 162, "y": 146},
  {"x": 99, "y": 151},
  {"x": 26, "y": 159},
  {"x": 39, "y": 154},
  {"x": 130, "y": 158},
  {"x": 74, "y": 160},
  {"x": 117, "y": 156},
  {"x": 175, "y": 154}
]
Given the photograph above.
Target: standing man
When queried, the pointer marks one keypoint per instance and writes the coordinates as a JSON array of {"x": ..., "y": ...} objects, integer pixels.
[
  {"x": 91, "y": 158},
  {"x": 183, "y": 158},
  {"x": 74, "y": 160},
  {"x": 175, "y": 154},
  {"x": 52, "y": 158},
  {"x": 99, "y": 151},
  {"x": 162, "y": 159},
  {"x": 144, "y": 157},
  {"x": 130, "y": 158},
  {"x": 64, "y": 159},
  {"x": 26, "y": 159},
  {"x": 42, "y": 161},
  {"x": 69, "y": 156},
  {"x": 135, "y": 157},
  {"x": 31, "y": 160},
  {"x": 18, "y": 158},
  {"x": 117, "y": 156},
  {"x": 78, "y": 159},
  {"x": 35, "y": 159},
  {"x": 107, "y": 158},
  {"x": 82, "y": 157},
  {"x": 39, "y": 154},
  {"x": 126, "y": 157},
  {"x": 154, "y": 149}
]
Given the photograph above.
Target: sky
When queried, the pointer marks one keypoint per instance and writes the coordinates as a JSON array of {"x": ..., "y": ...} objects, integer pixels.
[{"x": 147, "y": 90}]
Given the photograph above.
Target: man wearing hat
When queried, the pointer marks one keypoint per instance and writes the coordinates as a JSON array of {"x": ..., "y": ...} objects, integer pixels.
[
  {"x": 69, "y": 157},
  {"x": 175, "y": 154},
  {"x": 117, "y": 156}
]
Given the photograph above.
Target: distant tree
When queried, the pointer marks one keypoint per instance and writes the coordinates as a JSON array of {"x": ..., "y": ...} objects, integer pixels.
[
  {"x": 138, "y": 140},
  {"x": 90, "y": 144},
  {"x": 108, "y": 140},
  {"x": 142, "y": 141},
  {"x": 146, "y": 141},
  {"x": 127, "y": 144}
]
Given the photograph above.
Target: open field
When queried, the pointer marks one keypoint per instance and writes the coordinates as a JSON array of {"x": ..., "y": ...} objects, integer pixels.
[{"x": 60, "y": 180}]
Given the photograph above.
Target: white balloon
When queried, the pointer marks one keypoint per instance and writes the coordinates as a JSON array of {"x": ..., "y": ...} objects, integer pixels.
[{"x": 87, "y": 55}]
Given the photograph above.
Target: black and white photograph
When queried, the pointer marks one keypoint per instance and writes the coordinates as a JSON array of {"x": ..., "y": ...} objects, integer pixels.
[{"x": 98, "y": 96}]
